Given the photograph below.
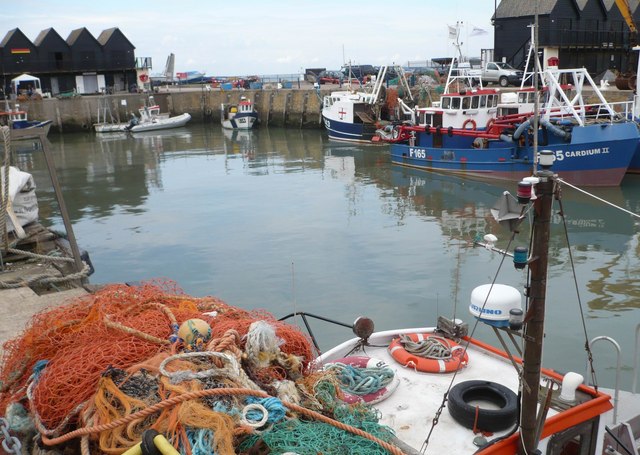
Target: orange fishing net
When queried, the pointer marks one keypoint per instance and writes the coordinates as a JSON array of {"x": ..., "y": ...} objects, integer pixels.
[{"x": 117, "y": 327}]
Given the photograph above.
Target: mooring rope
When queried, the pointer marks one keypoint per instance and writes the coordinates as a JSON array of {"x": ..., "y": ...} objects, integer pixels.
[{"x": 433, "y": 347}]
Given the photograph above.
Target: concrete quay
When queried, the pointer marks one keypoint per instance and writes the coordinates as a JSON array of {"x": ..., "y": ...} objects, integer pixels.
[
  {"x": 298, "y": 107},
  {"x": 17, "y": 307}
]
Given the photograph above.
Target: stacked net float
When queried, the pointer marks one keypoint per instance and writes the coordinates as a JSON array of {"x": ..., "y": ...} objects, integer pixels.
[{"x": 104, "y": 370}]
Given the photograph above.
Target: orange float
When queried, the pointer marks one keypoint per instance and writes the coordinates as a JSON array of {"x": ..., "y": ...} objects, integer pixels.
[{"x": 457, "y": 360}]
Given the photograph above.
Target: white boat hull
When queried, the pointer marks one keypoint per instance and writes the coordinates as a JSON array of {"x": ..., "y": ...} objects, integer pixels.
[{"x": 161, "y": 124}]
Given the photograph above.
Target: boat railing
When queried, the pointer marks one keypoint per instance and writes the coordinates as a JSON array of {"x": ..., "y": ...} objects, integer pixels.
[
  {"x": 304, "y": 315},
  {"x": 618, "y": 367}
]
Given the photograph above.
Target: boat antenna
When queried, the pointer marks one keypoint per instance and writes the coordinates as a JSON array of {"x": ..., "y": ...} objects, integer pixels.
[{"x": 536, "y": 80}]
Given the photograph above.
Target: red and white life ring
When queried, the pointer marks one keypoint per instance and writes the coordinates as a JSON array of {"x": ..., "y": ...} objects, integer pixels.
[
  {"x": 367, "y": 362},
  {"x": 471, "y": 122},
  {"x": 458, "y": 359}
]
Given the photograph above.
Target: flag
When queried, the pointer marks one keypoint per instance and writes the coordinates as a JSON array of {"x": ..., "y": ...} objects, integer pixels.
[
  {"x": 453, "y": 32},
  {"x": 475, "y": 31}
]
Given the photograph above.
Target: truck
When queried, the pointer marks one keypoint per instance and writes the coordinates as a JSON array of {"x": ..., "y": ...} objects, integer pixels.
[{"x": 501, "y": 73}]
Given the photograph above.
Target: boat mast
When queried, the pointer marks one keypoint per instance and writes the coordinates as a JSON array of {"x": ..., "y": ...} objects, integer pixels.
[{"x": 534, "y": 329}]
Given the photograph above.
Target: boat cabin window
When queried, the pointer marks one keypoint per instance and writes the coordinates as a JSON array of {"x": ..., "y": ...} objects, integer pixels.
[
  {"x": 475, "y": 100},
  {"x": 446, "y": 102},
  {"x": 577, "y": 440},
  {"x": 526, "y": 97},
  {"x": 466, "y": 102},
  {"x": 502, "y": 111},
  {"x": 483, "y": 101},
  {"x": 492, "y": 101},
  {"x": 455, "y": 103}
]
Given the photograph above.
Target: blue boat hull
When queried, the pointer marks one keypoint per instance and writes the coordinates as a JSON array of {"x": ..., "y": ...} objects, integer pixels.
[
  {"x": 347, "y": 131},
  {"x": 595, "y": 155}
]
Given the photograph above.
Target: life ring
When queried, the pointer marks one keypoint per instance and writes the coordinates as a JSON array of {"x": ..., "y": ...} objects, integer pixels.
[
  {"x": 458, "y": 359},
  {"x": 471, "y": 122},
  {"x": 144, "y": 78},
  {"x": 490, "y": 124},
  {"x": 474, "y": 417},
  {"x": 362, "y": 362}
]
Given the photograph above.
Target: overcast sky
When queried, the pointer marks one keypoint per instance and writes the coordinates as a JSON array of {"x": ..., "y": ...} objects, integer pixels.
[{"x": 245, "y": 37}]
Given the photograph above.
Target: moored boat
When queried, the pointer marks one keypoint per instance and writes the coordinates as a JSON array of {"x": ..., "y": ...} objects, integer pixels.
[
  {"x": 498, "y": 400},
  {"x": 354, "y": 115},
  {"x": 151, "y": 119},
  {"x": 594, "y": 144},
  {"x": 21, "y": 127},
  {"x": 241, "y": 116}
]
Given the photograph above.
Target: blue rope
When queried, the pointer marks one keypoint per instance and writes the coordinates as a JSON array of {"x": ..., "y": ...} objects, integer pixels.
[
  {"x": 362, "y": 381},
  {"x": 201, "y": 441}
]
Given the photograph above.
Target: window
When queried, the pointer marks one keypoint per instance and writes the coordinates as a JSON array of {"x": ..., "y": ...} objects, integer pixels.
[
  {"x": 474, "y": 102},
  {"x": 446, "y": 102},
  {"x": 483, "y": 101},
  {"x": 466, "y": 102},
  {"x": 455, "y": 103}
]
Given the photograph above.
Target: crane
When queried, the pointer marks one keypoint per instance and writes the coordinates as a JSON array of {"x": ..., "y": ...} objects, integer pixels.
[{"x": 628, "y": 81}]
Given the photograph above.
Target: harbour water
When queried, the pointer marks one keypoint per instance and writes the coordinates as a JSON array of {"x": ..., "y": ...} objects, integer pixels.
[{"x": 286, "y": 220}]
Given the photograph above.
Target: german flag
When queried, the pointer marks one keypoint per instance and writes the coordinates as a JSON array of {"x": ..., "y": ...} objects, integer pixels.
[{"x": 22, "y": 50}]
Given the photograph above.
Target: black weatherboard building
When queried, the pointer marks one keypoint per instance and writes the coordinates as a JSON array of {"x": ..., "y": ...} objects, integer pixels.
[
  {"x": 580, "y": 33},
  {"x": 81, "y": 63}
]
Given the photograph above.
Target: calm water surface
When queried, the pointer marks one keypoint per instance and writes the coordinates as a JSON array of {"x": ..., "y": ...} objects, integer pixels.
[{"x": 285, "y": 219}]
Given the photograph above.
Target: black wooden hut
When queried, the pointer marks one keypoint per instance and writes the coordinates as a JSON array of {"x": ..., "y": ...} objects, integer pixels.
[{"x": 580, "y": 33}]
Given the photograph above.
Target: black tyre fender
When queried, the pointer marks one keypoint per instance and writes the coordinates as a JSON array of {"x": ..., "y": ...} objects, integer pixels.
[{"x": 488, "y": 419}]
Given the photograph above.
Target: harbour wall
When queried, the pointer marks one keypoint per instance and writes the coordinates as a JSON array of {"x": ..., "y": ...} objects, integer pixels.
[
  {"x": 291, "y": 108},
  {"x": 297, "y": 108}
]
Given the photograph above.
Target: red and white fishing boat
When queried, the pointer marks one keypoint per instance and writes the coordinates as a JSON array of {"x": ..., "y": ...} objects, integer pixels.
[{"x": 460, "y": 395}]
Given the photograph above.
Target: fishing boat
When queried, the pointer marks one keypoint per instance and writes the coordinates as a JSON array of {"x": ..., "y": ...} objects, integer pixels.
[
  {"x": 20, "y": 125},
  {"x": 594, "y": 144},
  {"x": 354, "y": 115},
  {"x": 240, "y": 116},
  {"x": 462, "y": 395},
  {"x": 151, "y": 119}
]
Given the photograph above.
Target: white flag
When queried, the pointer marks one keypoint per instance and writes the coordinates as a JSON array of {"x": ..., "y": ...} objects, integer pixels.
[
  {"x": 453, "y": 32},
  {"x": 477, "y": 31}
]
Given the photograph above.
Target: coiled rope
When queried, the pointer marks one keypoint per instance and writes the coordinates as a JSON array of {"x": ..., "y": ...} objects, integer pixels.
[
  {"x": 433, "y": 347},
  {"x": 361, "y": 381},
  {"x": 214, "y": 392}
]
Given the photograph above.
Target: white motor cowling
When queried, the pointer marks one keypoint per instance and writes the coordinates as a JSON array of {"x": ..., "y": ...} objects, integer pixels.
[{"x": 502, "y": 299}]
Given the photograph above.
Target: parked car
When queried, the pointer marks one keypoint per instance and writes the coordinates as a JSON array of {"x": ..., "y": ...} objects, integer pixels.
[
  {"x": 359, "y": 71},
  {"x": 501, "y": 73},
  {"x": 329, "y": 77}
]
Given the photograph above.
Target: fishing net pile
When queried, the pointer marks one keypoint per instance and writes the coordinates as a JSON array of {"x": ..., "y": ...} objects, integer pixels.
[{"x": 99, "y": 373}]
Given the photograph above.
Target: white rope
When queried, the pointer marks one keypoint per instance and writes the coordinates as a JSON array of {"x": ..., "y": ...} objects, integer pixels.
[{"x": 599, "y": 198}]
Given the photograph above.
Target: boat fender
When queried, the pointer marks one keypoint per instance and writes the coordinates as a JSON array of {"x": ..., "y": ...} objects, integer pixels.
[
  {"x": 457, "y": 360},
  {"x": 439, "y": 130},
  {"x": 367, "y": 362},
  {"x": 427, "y": 129},
  {"x": 471, "y": 122},
  {"x": 506, "y": 138},
  {"x": 450, "y": 131},
  {"x": 473, "y": 417}
]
